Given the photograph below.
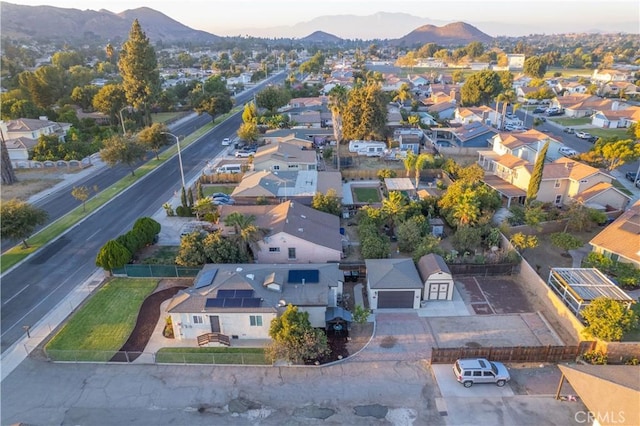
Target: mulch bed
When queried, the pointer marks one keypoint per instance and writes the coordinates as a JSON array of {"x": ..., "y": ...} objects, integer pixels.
[{"x": 145, "y": 324}]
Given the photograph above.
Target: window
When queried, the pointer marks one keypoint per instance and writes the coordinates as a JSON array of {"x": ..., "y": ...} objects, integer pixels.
[
  {"x": 276, "y": 167},
  {"x": 274, "y": 249},
  {"x": 558, "y": 199},
  {"x": 197, "y": 319},
  {"x": 255, "y": 320},
  {"x": 477, "y": 374},
  {"x": 292, "y": 253},
  {"x": 557, "y": 184}
]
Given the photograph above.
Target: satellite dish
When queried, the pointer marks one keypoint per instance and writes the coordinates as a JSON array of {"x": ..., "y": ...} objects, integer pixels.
[{"x": 282, "y": 303}]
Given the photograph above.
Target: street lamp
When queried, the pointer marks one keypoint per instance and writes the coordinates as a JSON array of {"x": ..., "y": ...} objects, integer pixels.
[
  {"x": 124, "y": 130},
  {"x": 179, "y": 157}
]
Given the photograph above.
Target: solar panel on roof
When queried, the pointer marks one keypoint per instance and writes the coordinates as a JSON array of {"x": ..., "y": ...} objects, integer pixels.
[
  {"x": 244, "y": 293},
  {"x": 214, "y": 303},
  {"x": 205, "y": 278},
  {"x": 232, "y": 302},
  {"x": 226, "y": 293},
  {"x": 251, "y": 302},
  {"x": 308, "y": 276}
]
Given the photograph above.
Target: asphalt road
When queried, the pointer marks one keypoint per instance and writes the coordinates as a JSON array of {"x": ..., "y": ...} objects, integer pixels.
[{"x": 34, "y": 287}]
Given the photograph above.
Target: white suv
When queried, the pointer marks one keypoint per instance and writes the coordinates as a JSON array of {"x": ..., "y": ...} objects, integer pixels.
[{"x": 480, "y": 370}]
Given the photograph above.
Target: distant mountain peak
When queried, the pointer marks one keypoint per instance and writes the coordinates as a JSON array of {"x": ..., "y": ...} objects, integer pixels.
[
  {"x": 322, "y": 37},
  {"x": 456, "y": 33}
]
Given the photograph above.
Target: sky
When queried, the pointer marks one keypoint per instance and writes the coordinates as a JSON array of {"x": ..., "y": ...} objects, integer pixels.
[{"x": 508, "y": 17}]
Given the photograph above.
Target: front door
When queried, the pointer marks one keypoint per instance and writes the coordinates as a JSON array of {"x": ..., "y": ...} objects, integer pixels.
[{"x": 215, "y": 323}]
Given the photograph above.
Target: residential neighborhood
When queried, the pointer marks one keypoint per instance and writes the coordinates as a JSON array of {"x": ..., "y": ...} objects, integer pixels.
[{"x": 404, "y": 228}]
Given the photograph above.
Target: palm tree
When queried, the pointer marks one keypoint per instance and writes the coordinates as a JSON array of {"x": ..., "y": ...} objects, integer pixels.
[
  {"x": 413, "y": 120},
  {"x": 246, "y": 231},
  {"x": 404, "y": 93},
  {"x": 410, "y": 162},
  {"x": 337, "y": 103},
  {"x": 394, "y": 207}
]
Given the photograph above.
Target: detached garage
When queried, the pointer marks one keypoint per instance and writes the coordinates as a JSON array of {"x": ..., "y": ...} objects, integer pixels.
[
  {"x": 393, "y": 284},
  {"x": 437, "y": 278}
]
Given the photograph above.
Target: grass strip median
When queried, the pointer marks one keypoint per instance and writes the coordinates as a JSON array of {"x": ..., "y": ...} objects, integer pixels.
[{"x": 214, "y": 355}]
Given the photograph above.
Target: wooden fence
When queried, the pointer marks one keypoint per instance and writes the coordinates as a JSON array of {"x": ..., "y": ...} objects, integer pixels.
[
  {"x": 484, "y": 270},
  {"x": 512, "y": 354}
]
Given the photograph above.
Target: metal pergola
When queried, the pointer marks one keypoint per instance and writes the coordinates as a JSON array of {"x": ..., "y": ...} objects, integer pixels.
[{"x": 578, "y": 287}]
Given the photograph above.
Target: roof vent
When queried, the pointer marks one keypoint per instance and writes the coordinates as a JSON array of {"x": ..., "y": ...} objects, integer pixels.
[
  {"x": 251, "y": 276},
  {"x": 300, "y": 229},
  {"x": 238, "y": 269},
  {"x": 303, "y": 216}
]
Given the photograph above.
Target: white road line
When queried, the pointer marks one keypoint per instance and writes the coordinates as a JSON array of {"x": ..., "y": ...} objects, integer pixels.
[
  {"x": 94, "y": 234},
  {"x": 16, "y": 295},
  {"x": 6, "y": 330}
]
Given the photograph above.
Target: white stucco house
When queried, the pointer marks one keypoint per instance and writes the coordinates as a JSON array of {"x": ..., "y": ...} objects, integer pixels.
[{"x": 238, "y": 301}]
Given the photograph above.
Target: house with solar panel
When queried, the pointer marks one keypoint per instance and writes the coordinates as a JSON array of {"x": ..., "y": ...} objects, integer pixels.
[{"x": 238, "y": 301}]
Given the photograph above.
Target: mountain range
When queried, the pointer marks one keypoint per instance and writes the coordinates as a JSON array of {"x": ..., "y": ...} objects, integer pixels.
[{"x": 53, "y": 23}]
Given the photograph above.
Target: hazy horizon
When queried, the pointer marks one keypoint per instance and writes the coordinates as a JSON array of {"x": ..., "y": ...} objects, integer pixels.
[{"x": 289, "y": 18}]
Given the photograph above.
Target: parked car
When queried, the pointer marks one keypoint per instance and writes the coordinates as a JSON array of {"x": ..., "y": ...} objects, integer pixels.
[
  {"x": 592, "y": 139},
  {"x": 244, "y": 152},
  {"x": 583, "y": 135},
  {"x": 567, "y": 152},
  {"x": 569, "y": 130},
  {"x": 223, "y": 201},
  {"x": 631, "y": 176},
  {"x": 539, "y": 110},
  {"x": 480, "y": 370},
  {"x": 220, "y": 194},
  {"x": 226, "y": 142}
]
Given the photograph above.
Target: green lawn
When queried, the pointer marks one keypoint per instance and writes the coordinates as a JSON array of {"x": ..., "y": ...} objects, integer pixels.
[
  {"x": 366, "y": 195},
  {"x": 211, "y": 189},
  {"x": 621, "y": 187},
  {"x": 568, "y": 122},
  {"x": 164, "y": 255},
  {"x": 163, "y": 117},
  {"x": 214, "y": 355},
  {"x": 103, "y": 324},
  {"x": 610, "y": 133}
]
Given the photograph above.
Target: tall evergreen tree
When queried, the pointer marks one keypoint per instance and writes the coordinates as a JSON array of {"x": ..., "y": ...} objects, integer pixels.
[
  {"x": 365, "y": 114},
  {"x": 139, "y": 70},
  {"x": 536, "y": 176}
]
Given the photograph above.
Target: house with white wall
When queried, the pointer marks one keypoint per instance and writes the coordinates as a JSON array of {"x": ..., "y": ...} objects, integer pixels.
[{"x": 230, "y": 302}]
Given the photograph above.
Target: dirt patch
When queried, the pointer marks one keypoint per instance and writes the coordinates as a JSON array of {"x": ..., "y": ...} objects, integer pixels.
[{"x": 31, "y": 182}]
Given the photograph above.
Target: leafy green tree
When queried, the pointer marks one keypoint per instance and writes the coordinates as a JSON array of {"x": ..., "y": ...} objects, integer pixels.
[
  {"x": 428, "y": 244},
  {"x": 521, "y": 241},
  {"x": 248, "y": 132},
  {"x": 139, "y": 70},
  {"x": 148, "y": 227},
  {"x": 83, "y": 96},
  {"x": 617, "y": 153},
  {"x": 566, "y": 241},
  {"x": 481, "y": 88},
  {"x": 373, "y": 244},
  {"x": 608, "y": 319},
  {"x": 250, "y": 113},
  {"x": 132, "y": 241},
  {"x": 273, "y": 97},
  {"x": 154, "y": 138},
  {"x": 382, "y": 174},
  {"x": 410, "y": 232},
  {"x": 536, "y": 175},
  {"x": 535, "y": 66},
  {"x": 118, "y": 149},
  {"x": 421, "y": 163},
  {"x": 81, "y": 193},
  {"x": 246, "y": 232},
  {"x": 361, "y": 314},
  {"x": 328, "y": 203},
  {"x": 191, "y": 252},
  {"x": 220, "y": 249},
  {"x": 410, "y": 162},
  {"x": 112, "y": 255},
  {"x": 466, "y": 239},
  {"x": 365, "y": 114},
  {"x": 20, "y": 219},
  {"x": 109, "y": 100},
  {"x": 475, "y": 49},
  {"x": 294, "y": 339}
]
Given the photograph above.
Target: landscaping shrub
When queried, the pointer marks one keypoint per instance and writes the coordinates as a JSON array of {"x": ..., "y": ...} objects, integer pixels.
[
  {"x": 595, "y": 357},
  {"x": 168, "y": 329},
  {"x": 184, "y": 211}
]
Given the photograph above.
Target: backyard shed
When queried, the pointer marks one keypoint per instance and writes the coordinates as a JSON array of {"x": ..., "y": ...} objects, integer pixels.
[
  {"x": 393, "y": 284},
  {"x": 436, "y": 276}
]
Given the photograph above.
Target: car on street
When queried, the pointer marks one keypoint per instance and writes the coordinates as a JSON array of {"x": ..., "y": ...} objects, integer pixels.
[
  {"x": 567, "y": 152},
  {"x": 470, "y": 371},
  {"x": 631, "y": 176},
  {"x": 583, "y": 135},
  {"x": 226, "y": 142},
  {"x": 569, "y": 130},
  {"x": 539, "y": 110}
]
